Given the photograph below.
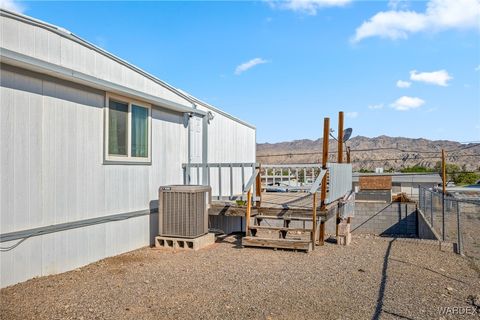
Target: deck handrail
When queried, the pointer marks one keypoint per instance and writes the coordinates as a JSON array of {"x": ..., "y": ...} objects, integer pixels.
[
  {"x": 318, "y": 181},
  {"x": 203, "y": 176},
  {"x": 251, "y": 180}
]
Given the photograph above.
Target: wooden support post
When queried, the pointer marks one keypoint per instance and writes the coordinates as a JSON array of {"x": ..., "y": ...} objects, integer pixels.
[
  {"x": 247, "y": 215},
  {"x": 323, "y": 194},
  {"x": 258, "y": 187},
  {"x": 340, "y": 137},
  {"x": 326, "y": 132},
  {"x": 314, "y": 220},
  {"x": 340, "y": 160},
  {"x": 444, "y": 187},
  {"x": 337, "y": 221},
  {"x": 348, "y": 154},
  {"x": 321, "y": 236}
]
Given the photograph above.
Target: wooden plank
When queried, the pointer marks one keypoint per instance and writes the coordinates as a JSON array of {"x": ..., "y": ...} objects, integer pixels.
[
  {"x": 279, "y": 229},
  {"x": 326, "y": 132},
  {"x": 258, "y": 187},
  {"x": 288, "y": 218},
  {"x": 303, "y": 245},
  {"x": 314, "y": 219},
  {"x": 340, "y": 137},
  {"x": 249, "y": 209}
]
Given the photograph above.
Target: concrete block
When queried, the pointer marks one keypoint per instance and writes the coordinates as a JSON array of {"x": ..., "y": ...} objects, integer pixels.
[
  {"x": 344, "y": 240},
  {"x": 185, "y": 243},
  {"x": 344, "y": 228}
]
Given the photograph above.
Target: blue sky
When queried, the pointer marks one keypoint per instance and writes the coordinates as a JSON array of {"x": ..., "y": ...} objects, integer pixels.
[{"x": 283, "y": 66}]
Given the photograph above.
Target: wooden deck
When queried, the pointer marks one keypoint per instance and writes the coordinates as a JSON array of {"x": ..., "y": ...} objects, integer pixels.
[{"x": 280, "y": 204}]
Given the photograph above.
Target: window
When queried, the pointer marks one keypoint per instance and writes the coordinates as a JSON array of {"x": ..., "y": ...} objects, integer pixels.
[{"x": 127, "y": 131}]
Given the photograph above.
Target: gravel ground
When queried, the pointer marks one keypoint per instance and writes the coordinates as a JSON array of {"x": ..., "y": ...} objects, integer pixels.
[{"x": 374, "y": 278}]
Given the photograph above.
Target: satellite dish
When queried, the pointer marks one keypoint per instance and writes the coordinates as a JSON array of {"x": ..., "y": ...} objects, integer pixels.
[{"x": 347, "y": 133}]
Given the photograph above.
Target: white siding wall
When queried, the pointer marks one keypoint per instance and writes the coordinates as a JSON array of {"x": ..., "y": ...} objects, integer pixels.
[
  {"x": 46, "y": 45},
  {"x": 229, "y": 141},
  {"x": 51, "y": 152},
  {"x": 51, "y": 142}
]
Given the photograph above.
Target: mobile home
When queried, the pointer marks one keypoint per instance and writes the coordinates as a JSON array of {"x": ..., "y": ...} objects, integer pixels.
[{"x": 86, "y": 140}]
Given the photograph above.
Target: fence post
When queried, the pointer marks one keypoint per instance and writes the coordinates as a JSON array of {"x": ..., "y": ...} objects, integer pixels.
[
  {"x": 459, "y": 231},
  {"x": 444, "y": 184},
  {"x": 431, "y": 207}
]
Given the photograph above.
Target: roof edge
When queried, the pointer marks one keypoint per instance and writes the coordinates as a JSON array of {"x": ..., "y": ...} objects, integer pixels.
[{"x": 68, "y": 34}]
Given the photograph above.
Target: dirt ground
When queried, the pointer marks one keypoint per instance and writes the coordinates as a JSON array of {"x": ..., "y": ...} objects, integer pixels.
[{"x": 374, "y": 278}]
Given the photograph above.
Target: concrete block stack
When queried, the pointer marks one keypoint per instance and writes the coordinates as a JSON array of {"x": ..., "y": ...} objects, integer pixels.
[{"x": 344, "y": 237}]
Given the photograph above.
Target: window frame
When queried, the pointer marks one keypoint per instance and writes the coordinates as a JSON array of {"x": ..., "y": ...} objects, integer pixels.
[{"x": 128, "y": 159}]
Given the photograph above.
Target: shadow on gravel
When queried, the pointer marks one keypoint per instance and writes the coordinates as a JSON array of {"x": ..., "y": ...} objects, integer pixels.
[
  {"x": 235, "y": 239},
  {"x": 383, "y": 283},
  {"x": 428, "y": 269}
]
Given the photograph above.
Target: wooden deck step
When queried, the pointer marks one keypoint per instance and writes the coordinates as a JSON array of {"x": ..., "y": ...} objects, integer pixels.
[
  {"x": 262, "y": 217},
  {"x": 279, "y": 228},
  {"x": 304, "y": 245}
]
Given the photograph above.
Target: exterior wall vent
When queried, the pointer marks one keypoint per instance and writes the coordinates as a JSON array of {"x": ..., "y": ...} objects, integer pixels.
[{"x": 183, "y": 210}]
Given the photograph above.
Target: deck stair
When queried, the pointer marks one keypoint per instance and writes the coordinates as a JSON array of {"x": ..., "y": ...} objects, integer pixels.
[
  {"x": 262, "y": 234},
  {"x": 282, "y": 235}
]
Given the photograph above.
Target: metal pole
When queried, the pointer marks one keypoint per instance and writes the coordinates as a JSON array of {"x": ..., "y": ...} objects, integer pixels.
[
  {"x": 444, "y": 186},
  {"x": 431, "y": 207},
  {"x": 459, "y": 231}
]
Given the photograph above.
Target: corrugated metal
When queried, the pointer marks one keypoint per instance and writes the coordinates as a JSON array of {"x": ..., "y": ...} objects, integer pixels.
[{"x": 340, "y": 180}]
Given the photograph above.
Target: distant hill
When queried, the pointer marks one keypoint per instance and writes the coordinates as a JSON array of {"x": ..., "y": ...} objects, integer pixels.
[{"x": 412, "y": 152}]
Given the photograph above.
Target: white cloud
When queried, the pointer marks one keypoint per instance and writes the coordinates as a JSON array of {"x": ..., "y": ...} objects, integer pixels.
[
  {"x": 248, "y": 65},
  {"x": 397, "y": 4},
  {"x": 406, "y": 103},
  {"x": 12, "y": 5},
  {"x": 375, "y": 106},
  {"x": 352, "y": 114},
  {"x": 439, "y": 15},
  {"x": 306, "y": 6},
  {"x": 477, "y": 68},
  {"x": 403, "y": 84},
  {"x": 439, "y": 78}
]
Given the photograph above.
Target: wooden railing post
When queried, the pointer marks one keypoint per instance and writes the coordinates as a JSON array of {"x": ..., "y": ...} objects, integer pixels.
[
  {"x": 339, "y": 160},
  {"x": 314, "y": 220},
  {"x": 258, "y": 187},
  {"x": 323, "y": 195},
  {"x": 247, "y": 215}
]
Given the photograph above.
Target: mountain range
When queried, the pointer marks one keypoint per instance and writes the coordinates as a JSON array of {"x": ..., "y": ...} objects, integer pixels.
[{"x": 370, "y": 153}]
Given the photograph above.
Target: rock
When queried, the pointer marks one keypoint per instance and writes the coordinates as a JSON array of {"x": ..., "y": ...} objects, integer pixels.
[
  {"x": 361, "y": 270},
  {"x": 475, "y": 300}
]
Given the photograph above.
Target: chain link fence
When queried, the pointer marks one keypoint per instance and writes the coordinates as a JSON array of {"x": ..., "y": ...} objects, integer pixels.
[{"x": 454, "y": 220}]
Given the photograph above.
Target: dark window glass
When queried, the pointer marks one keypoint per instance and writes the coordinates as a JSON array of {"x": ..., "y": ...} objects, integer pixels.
[{"x": 117, "y": 128}]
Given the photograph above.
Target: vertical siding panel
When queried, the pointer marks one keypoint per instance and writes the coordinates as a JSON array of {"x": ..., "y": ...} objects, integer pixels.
[
  {"x": 35, "y": 156},
  {"x": 26, "y": 39},
  {"x": 54, "y": 48},
  {"x": 48, "y": 155},
  {"x": 21, "y": 162},
  {"x": 10, "y": 34},
  {"x": 7, "y": 145},
  {"x": 41, "y": 44}
]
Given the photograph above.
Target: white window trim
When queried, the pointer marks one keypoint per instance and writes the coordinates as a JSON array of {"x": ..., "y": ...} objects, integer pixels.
[{"x": 128, "y": 159}]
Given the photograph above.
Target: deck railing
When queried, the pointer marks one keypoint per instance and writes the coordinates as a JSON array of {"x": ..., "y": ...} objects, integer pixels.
[
  {"x": 302, "y": 177},
  {"x": 229, "y": 181}
]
